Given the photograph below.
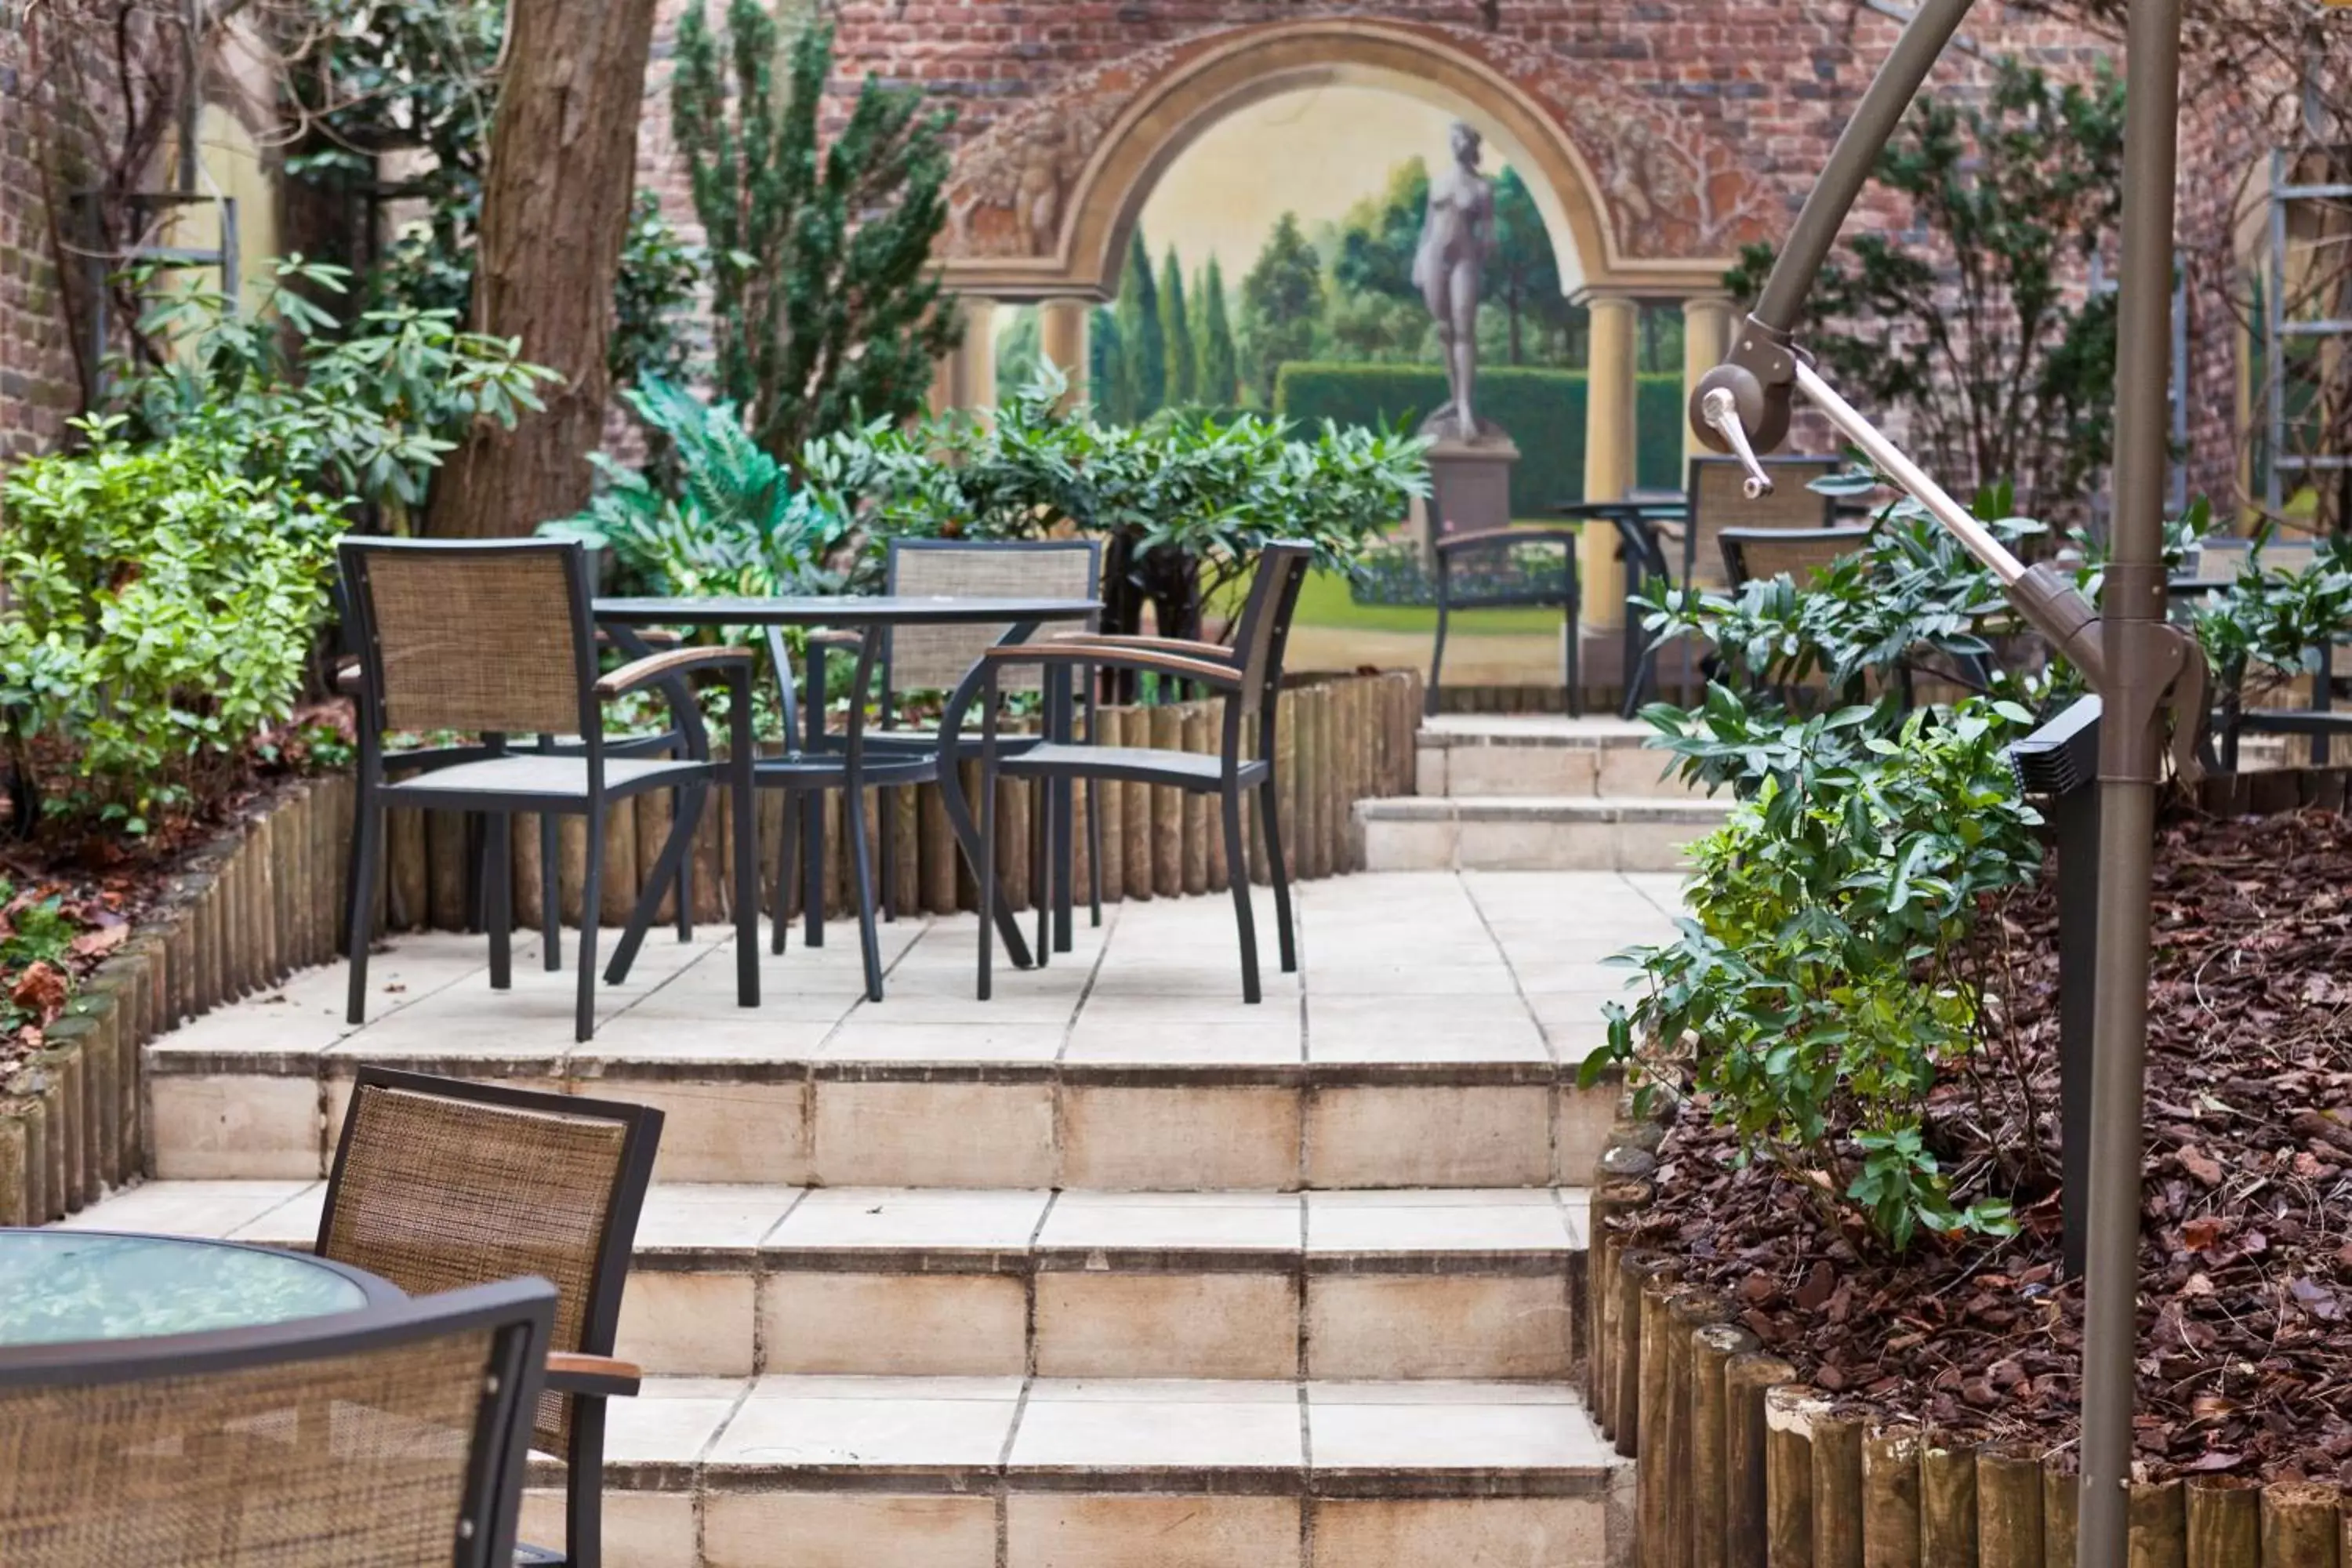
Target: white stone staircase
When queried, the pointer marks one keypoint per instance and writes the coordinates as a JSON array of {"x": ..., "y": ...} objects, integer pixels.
[
  {"x": 1536, "y": 791},
  {"x": 1112, "y": 1272}
]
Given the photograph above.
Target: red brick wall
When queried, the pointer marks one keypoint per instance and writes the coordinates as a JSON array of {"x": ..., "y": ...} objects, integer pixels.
[{"x": 38, "y": 385}]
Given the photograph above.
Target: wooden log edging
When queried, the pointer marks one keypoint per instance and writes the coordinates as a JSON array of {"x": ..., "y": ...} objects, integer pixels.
[
  {"x": 1739, "y": 1465},
  {"x": 1342, "y": 738},
  {"x": 245, "y": 912}
]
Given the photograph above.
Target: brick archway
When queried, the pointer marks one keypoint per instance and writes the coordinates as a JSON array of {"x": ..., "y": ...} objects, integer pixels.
[{"x": 1044, "y": 202}]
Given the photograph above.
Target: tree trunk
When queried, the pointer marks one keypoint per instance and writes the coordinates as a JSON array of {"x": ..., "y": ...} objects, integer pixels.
[{"x": 555, "y": 207}]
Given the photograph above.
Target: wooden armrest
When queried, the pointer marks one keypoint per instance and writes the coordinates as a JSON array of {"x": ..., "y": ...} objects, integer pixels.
[
  {"x": 1184, "y": 645},
  {"x": 1225, "y": 676},
  {"x": 1669, "y": 530},
  {"x": 569, "y": 1371},
  {"x": 654, "y": 667},
  {"x": 1548, "y": 533},
  {"x": 829, "y": 638},
  {"x": 351, "y": 679}
]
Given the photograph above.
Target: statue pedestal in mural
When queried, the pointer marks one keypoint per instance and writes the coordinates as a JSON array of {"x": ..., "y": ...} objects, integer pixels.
[{"x": 1470, "y": 483}]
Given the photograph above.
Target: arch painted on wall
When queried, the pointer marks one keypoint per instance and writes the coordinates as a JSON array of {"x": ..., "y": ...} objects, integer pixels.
[{"x": 1250, "y": 65}]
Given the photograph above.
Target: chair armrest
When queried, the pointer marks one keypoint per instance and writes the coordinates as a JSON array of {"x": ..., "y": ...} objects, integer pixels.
[
  {"x": 655, "y": 667},
  {"x": 1668, "y": 528},
  {"x": 350, "y": 678},
  {"x": 1227, "y": 677},
  {"x": 599, "y": 1376},
  {"x": 1550, "y": 533},
  {"x": 1185, "y": 645},
  {"x": 829, "y": 638}
]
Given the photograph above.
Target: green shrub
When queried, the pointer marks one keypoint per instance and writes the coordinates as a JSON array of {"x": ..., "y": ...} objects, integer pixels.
[
  {"x": 1543, "y": 410},
  {"x": 162, "y": 608}
]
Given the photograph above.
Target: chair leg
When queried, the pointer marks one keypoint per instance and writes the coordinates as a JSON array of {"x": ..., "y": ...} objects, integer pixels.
[
  {"x": 985, "y": 874},
  {"x": 853, "y": 801},
  {"x": 685, "y": 876},
  {"x": 584, "y": 1486},
  {"x": 1237, "y": 876},
  {"x": 551, "y": 891},
  {"x": 746, "y": 837},
  {"x": 1041, "y": 859},
  {"x": 367, "y": 865},
  {"x": 1066, "y": 809},
  {"x": 1094, "y": 850},
  {"x": 787, "y": 840},
  {"x": 478, "y": 874},
  {"x": 1269, "y": 818},
  {"x": 592, "y": 880},
  {"x": 813, "y": 868},
  {"x": 888, "y": 799},
  {"x": 498, "y": 896}
]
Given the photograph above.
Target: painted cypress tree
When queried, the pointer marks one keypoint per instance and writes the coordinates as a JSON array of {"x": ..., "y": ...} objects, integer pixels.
[
  {"x": 826, "y": 306},
  {"x": 1106, "y": 369},
  {"x": 1282, "y": 301},
  {"x": 1144, "y": 384},
  {"x": 1176, "y": 333},
  {"x": 1221, "y": 377}
]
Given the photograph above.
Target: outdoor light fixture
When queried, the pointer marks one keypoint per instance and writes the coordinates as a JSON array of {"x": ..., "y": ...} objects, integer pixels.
[{"x": 2141, "y": 666}]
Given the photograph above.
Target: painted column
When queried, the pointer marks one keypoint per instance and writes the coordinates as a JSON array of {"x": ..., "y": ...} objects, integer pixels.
[
  {"x": 1706, "y": 335},
  {"x": 1608, "y": 451},
  {"x": 1062, "y": 338},
  {"x": 967, "y": 378}
]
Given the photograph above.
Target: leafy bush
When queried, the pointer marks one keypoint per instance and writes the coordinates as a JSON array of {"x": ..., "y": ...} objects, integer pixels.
[
  {"x": 1543, "y": 409},
  {"x": 162, "y": 608},
  {"x": 1184, "y": 502},
  {"x": 365, "y": 417},
  {"x": 719, "y": 516}
]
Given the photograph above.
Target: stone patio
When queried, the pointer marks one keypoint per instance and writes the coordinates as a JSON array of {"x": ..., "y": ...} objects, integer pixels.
[{"x": 1112, "y": 1270}]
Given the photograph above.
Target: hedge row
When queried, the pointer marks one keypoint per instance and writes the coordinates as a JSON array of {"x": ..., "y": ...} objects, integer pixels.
[{"x": 1543, "y": 410}]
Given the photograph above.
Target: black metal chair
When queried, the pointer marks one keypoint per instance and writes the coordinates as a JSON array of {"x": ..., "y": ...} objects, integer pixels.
[
  {"x": 393, "y": 1434},
  {"x": 496, "y": 638},
  {"x": 1249, "y": 675},
  {"x": 439, "y": 1184},
  {"x": 1462, "y": 586}
]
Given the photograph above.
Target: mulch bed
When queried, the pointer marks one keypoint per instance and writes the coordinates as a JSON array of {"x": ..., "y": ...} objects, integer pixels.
[
  {"x": 65, "y": 903},
  {"x": 2246, "y": 1232}
]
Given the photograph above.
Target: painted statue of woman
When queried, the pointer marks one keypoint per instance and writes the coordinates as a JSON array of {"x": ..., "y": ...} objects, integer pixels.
[{"x": 1448, "y": 267}]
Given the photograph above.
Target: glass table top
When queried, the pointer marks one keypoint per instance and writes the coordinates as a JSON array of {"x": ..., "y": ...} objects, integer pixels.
[{"x": 57, "y": 1286}]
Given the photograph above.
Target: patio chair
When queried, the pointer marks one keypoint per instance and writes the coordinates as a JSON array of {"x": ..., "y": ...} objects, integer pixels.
[
  {"x": 495, "y": 640},
  {"x": 1249, "y": 675},
  {"x": 439, "y": 1185},
  {"x": 1461, "y": 587},
  {"x": 2319, "y": 720},
  {"x": 914, "y": 659},
  {"x": 1795, "y": 553},
  {"x": 391, "y": 1435}
]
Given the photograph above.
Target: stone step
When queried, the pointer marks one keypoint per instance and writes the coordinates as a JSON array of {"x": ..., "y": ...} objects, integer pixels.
[
  {"x": 1490, "y": 755},
  {"x": 1535, "y": 833},
  {"x": 1038, "y": 1472},
  {"x": 1435, "y": 1065},
  {"x": 737, "y": 1280}
]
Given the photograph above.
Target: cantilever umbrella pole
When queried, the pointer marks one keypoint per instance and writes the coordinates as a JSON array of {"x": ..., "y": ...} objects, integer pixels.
[{"x": 2128, "y": 653}]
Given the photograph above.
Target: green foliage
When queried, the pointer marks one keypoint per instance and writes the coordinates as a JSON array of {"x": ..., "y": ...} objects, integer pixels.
[
  {"x": 1020, "y": 346},
  {"x": 162, "y": 599},
  {"x": 721, "y": 516},
  {"x": 1543, "y": 409},
  {"x": 1220, "y": 379},
  {"x": 1282, "y": 300},
  {"x": 1981, "y": 341},
  {"x": 826, "y": 305},
  {"x": 2268, "y": 626},
  {"x": 653, "y": 301},
  {"x": 1106, "y": 361},
  {"x": 1824, "y": 978},
  {"x": 364, "y": 416},
  {"x": 38, "y": 932},
  {"x": 1176, "y": 336},
  {"x": 1206, "y": 490},
  {"x": 1142, "y": 385}
]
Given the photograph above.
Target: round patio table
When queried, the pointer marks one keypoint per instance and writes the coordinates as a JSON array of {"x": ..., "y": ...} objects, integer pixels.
[
  {"x": 1020, "y": 617},
  {"x": 62, "y": 1286}
]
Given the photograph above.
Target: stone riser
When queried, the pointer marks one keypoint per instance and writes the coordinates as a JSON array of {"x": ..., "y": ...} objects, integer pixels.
[
  {"x": 1172, "y": 1129},
  {"x": 1446, "y": 1318},
  {"x": 1532, "y": 834},
  {"x": 1503, "y": 769},
  {"x": 712, "y": 1528}
]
